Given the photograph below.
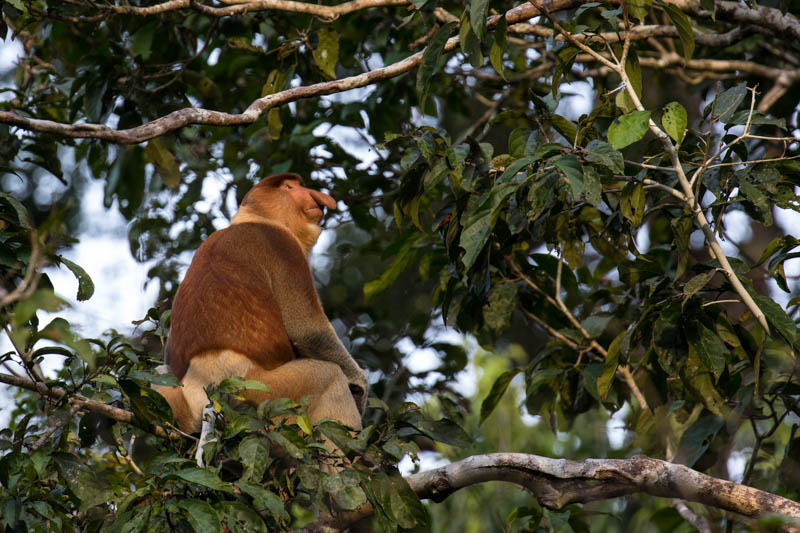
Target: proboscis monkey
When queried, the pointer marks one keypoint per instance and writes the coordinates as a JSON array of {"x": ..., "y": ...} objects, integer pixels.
[{"x": 248, "y": 307}]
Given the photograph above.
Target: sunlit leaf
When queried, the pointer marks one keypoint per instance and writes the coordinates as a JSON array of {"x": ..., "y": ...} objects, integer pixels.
[
  {"x": 327, "y": 52},
  {"x": 628, "y": 128},
  {"x": 674, "y": 121},
  {"x": 85, "y": 283}
]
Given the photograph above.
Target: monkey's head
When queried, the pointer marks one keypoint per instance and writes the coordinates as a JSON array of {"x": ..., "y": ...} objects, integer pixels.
[{"x": 284, "y": 199}]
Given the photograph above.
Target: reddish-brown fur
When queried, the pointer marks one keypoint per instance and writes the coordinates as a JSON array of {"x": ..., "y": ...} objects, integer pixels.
[{"x": 248, "y": 307}]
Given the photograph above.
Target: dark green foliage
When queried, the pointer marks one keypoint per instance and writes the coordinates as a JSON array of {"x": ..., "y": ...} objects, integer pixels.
[{"x": 476, "y": 196}]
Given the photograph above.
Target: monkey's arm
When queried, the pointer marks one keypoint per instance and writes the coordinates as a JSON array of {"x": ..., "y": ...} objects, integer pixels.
[{"x": 306, "y": 325}]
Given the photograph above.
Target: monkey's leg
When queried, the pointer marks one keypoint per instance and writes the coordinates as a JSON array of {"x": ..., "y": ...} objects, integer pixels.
[
  {"x": 180, "y": 408},
  {"x": 323, "y": 381}
]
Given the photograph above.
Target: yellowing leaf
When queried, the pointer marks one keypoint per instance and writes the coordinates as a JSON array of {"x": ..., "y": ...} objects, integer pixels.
[{"x": 327, "y": 51}]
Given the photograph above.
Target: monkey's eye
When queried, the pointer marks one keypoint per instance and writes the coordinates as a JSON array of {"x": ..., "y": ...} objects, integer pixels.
[{"x": 288, "y": 186}]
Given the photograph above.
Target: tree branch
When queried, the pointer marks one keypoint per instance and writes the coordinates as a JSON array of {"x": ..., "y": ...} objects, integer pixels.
[
  {"x": 191, "y": 115},
  {"x": 556, "y": 483},
  {"x": 77, "y": 400},
  {"x": 713, "y": 244},
  {"x": 784, "y": 24}
]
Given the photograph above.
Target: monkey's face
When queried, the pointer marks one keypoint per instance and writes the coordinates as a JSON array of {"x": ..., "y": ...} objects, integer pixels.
[
  {"x": 309, "y": 201},
  {"x": 284, "y": 199}
]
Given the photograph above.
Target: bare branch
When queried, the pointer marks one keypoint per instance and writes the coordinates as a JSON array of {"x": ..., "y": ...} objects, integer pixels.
[
  {"x": 190, "y": 115},
  {"x": 82, "y": 402},
  {"x": 638, "y": 33},
  {"x": 783, "y": 24},
  {"x": 328, "y": 13},
  {"x": 556, "y": 483}
]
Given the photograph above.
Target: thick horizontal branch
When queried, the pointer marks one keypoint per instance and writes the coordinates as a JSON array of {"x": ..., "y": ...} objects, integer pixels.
[
  {"x": 672, "y": 59},
  {"x": 556, "y": 483},
  {"x": 325, "y": 12},
  {"x": 82, "y": 402},
  {"x": 237, "y": 8},
  {"x": 783, "y": 24},
  {"x": 638, "y": 33},
  {"x": 197, "y": 116}
]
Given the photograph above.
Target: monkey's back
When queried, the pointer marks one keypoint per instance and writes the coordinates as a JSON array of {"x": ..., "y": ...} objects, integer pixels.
[{"x": 226, "y": 299}]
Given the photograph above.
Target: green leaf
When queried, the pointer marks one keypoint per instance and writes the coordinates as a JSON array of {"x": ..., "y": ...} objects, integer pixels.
[
  {"x": 254, "y": 455},
  {"x": 517, "y": 141},
  {"x": 570, "y": 166},
  {"x": 238, "y": 517},
  {"x": 604, "y": 154},
  {"x": 19, "y": 5},
  {"x": 728, "y": 102},
  {"x": 632, "y": 203},
  {"x": 711, "y": 7},
  {"x": 201, "y": 516},
  {"x": 477, "y": 17},
  {"x": 264, "y": 500},
  {"x": 430, "y": 61},
  {"x": 44, "y": 299},
  {"x": 305, "y": 424},
  {"x": 22, "y": 213},
  {"x": 405, "y": 256},
  {"x": 497, "y": 314},
  {"x": 628, "y": 128},
  {"x": 274, "y": 124},
  {"x": 83, "y": 481},
  {"x": 434, "y": 176},
  {"x": 393, "y": 499},
  {"x": 669, "y": 341},
  {"x": 674, "y": 121},
  {"x": 695, "y": 440},
  {"x": 709, "y": 349},
  {"x": 606, "y": 377},
  {"x": 203, "y": 477},
  {"x": 142, "y": 40},
  {"x": 479, "y": 219},
  {"x": 85, "y": 284},
  {"x": 345, "y": 491},
  {"x": 778, "y": 319},
  {"x": 684, "y": 27},
  {"x": 697, "y": 283},
  {"x": 564, "y": 127},
  {"x": 166, "y": 165},
  {"x": 443, "y": 430},
  {"x": 639, "y": 8},
  {"x": 593, "y": 186},
  {"x": 327, "y": 52},
  {"x": 495, "y": 395},
  {"x": 498, "y": 48},
  {"x": 564, "y": 60},
  {"x": 470, "y": 44}
]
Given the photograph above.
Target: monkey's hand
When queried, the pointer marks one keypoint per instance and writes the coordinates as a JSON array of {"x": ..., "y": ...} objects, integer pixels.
[{"x": 358, "y": 387}]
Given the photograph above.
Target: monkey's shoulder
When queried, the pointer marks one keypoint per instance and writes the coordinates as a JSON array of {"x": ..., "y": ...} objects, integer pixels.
[{"x": 255, "y": 239}]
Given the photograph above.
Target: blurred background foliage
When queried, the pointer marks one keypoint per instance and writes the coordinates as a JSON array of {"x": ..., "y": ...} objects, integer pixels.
[{"x": 477, "y": 194}]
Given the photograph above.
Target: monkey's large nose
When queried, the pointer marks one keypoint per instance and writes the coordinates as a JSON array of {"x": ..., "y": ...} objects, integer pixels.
[{"x": 323, "y": 199}]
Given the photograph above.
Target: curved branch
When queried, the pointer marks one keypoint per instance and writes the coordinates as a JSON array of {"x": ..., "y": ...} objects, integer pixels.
[
  {"x": 191, "y": 115},
  {"x": 556, "y": 483},
  {"x": 82, "y": 402},
  {"x": 325, "y": 12},
  {"x": 784, "y": 24}
]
